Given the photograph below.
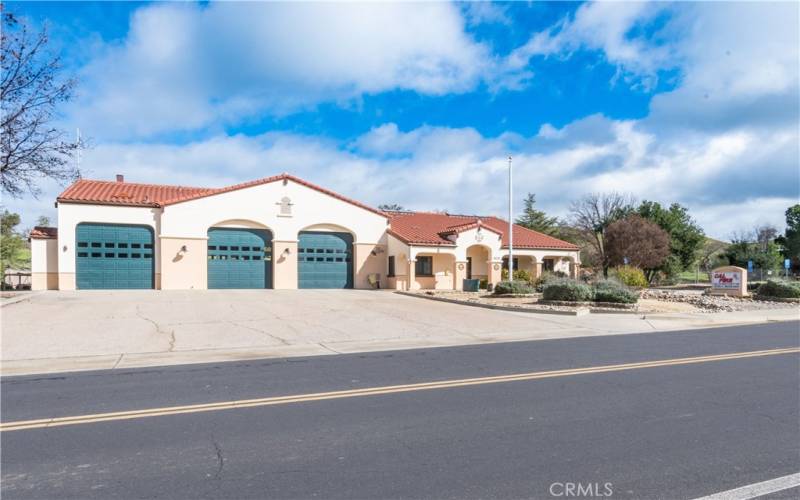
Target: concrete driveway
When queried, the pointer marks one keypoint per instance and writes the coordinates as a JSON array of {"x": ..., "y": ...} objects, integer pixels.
[{"x": 64, "y": 331}]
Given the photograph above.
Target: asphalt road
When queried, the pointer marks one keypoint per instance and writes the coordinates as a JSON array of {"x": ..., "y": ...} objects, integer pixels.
[{"x": 677, "y": 431}]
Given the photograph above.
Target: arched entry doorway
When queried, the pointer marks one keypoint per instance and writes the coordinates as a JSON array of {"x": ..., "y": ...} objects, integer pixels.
[{"x": 478, "y": 257}]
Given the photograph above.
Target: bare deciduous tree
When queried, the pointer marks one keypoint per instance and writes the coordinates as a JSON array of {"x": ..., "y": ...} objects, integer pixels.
[
  {"x": 639, "y": 241},
  {"x": 391, "y": 207},
  {"x": 30, "y": 90},
  {"x": 764, "y": 234},
  {"x": 593, "y": 213}
]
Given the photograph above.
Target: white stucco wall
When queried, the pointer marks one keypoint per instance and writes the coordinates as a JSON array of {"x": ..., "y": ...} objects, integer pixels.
[
  {"x": 483, "y": 237},
  {"x": 261, "y": 204},
  {"x": 72, "y": 214},
  {"x": 44, "y": 255}
]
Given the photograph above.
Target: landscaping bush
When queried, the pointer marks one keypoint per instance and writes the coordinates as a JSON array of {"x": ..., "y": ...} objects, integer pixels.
[
  {"x": 612, "y": 291},
  {"x": 542, "y": 280},
  {"x": 512, "y": 287},
  {"x": 522, "y": 275},
  {"x": 567, "y": 290},
  {"x": 484, "y": 284},
  {"x": 631, "y": 276},
  {"x": 780, "y": 288},
  {"x": 752, "y": 286},
  {"x": 519, "y": 275}
]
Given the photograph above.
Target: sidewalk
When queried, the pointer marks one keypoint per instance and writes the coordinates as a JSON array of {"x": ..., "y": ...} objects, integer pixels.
[{"x": 60, "y": 331}]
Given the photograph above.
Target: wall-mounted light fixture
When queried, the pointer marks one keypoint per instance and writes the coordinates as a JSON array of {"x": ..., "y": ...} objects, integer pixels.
[
  {"x": 287, "y": 251},
  {"x": 183, "y": 249}
]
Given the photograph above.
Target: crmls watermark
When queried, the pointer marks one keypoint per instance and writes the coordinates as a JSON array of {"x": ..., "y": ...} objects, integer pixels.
[{"x": 584, "y": 490}]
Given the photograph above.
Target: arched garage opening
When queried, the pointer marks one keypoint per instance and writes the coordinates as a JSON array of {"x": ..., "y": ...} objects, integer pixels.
[
  {"x": 113, "y": 256},
  {"x": 325, "y": 257},
  {"x": 239, "y": 257}
]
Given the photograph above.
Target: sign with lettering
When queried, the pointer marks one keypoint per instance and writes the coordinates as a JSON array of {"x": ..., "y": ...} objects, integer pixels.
[
  {"x": 729, "y": 280},
  {"x": 721, "y": 279}
]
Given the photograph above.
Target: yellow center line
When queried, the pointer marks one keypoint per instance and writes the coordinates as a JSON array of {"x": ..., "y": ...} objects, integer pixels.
[{"x": 374, "y": 391}]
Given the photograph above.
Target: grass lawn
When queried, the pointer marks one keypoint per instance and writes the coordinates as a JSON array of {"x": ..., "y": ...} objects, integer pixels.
[{"x": 690, "y": 276}]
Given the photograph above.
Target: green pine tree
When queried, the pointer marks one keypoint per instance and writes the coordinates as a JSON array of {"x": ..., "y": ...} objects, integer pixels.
[{"x": 536, "y": 219}]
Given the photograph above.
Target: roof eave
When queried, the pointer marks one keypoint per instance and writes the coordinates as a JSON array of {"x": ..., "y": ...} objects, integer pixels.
[
  {"x": 108, "y": 203},
  {"x": 539, "y": 247}
]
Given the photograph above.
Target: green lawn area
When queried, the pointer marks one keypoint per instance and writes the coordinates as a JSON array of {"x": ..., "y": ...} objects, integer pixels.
[{"x": 690, "y": 276}]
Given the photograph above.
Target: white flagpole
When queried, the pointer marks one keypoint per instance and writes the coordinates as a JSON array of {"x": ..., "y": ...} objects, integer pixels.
[{"x": 510, "y": 221}]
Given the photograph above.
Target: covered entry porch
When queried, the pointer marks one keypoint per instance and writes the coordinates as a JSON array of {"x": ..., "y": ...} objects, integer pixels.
[
  {"x": 537, "y": 263},
  {"x": 442, "y": 269}
]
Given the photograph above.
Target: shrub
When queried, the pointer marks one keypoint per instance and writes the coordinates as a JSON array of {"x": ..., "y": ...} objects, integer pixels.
[
  {"x": 542, "y": 280},
  {"x": 522, "y": 275},
  {"x": 780, "y": 288},
  {"x": 519, "y": 275},
  {"x": 567, "y": 290},
  {"x": 512, "y": 287},
  {"x": 483, "y": 284},
  {"x": 611, "y": 291},
  {"x": 631, "y": 276}
]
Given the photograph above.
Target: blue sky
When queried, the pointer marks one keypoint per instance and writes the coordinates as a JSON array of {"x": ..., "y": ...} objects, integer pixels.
[{"x": 420, "y": 104}]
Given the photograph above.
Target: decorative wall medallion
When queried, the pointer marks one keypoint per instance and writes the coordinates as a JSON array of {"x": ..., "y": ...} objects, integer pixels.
[
  {"x": 497, "y": 267},
  {"x": 461, "y": 267},
  {"x": 286, "y": 205}
]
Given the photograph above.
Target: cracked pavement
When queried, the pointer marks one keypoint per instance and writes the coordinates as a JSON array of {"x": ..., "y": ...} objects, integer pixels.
[{"x": 85, "y": 330}]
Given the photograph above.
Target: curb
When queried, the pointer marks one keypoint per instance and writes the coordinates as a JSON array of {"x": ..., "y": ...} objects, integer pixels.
[
  {"x": 577, "y": 312},
  {"x": 21, "y": 298}
]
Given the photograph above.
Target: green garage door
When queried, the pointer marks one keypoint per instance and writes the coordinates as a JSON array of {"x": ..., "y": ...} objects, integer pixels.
[
  {"x": 239, "y": 258},
  {"x": 112, "y": 256},
  {"x": 324, "y": 260}
]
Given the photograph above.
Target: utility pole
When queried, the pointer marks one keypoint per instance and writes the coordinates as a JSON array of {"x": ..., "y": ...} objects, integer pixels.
[{"x": 510, "y": 221}]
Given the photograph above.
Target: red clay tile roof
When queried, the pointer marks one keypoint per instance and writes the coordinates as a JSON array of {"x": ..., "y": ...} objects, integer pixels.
[
  {"x": 460, "y": 228},
  {"x": 428, "y": 228},
  {"x": 43, "y": 233},
  {"x": 158, "y": 195},
  {"x": 125, "y": 193}
]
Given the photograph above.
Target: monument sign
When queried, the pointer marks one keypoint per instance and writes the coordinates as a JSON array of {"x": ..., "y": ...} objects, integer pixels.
[{"x": 729, "y": 280}]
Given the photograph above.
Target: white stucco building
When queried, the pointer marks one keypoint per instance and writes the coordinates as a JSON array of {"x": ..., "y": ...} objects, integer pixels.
[{"x": 278, "y": 232}]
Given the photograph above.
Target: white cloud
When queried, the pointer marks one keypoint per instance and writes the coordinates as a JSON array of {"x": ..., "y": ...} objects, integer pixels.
[
  {"x": 462, "y": 171},
  {"x": 184, "y": 67},
  {"x": 606, "y": 27},
  {"x": 485, "y": 12},
  {"x": 725, "y": 142}
]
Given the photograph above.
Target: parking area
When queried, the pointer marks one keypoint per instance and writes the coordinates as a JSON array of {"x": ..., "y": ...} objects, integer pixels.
[{"x": 63, "y": 331}]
